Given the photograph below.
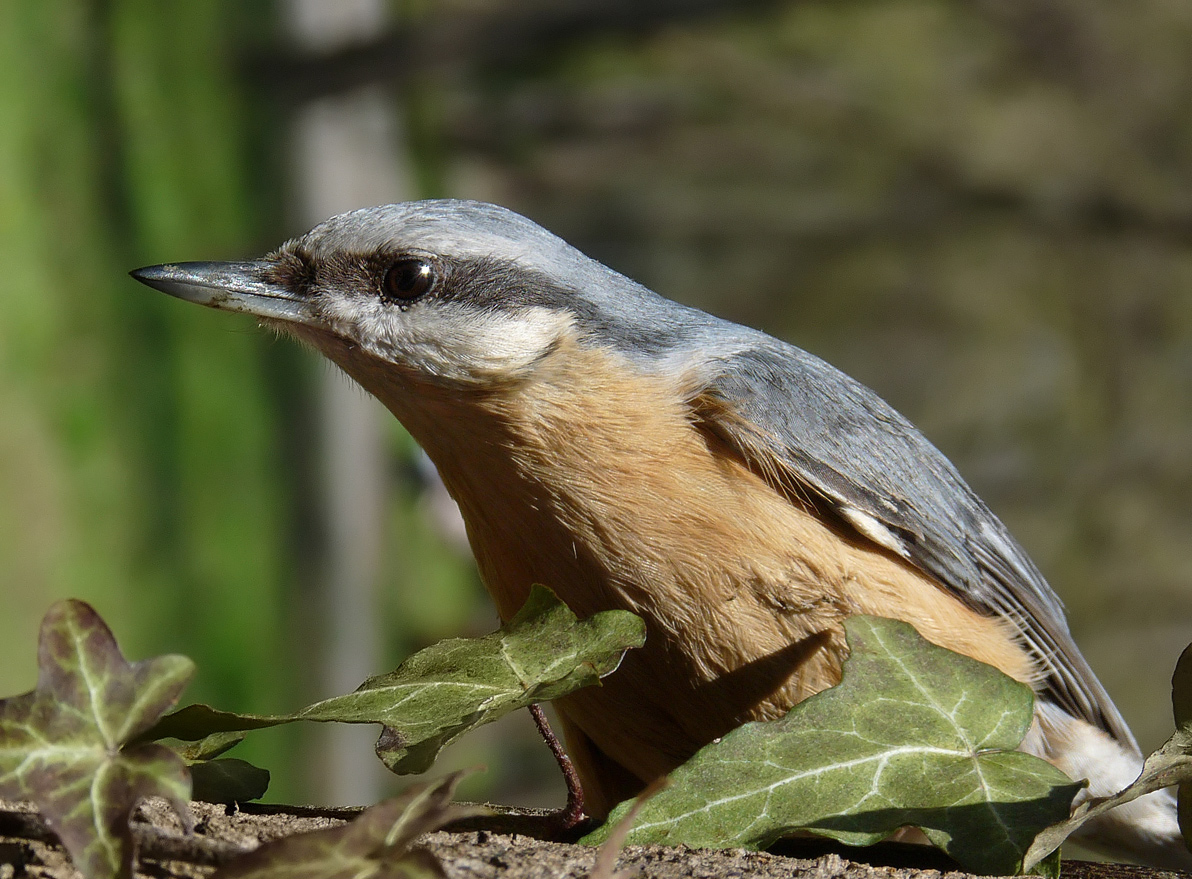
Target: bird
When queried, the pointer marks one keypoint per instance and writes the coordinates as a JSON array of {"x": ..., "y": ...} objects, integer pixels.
[{"x": 740, "y": 494}]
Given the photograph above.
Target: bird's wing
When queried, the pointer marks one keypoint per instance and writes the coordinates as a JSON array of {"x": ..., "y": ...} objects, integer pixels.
[{"x": 811, "y": 430}]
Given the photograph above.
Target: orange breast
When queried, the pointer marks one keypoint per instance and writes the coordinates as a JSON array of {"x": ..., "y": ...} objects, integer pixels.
[{"x": 600, "y": 484}]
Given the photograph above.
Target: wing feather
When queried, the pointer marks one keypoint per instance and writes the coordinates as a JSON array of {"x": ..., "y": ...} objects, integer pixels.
[{"x": 809, "y": 429}]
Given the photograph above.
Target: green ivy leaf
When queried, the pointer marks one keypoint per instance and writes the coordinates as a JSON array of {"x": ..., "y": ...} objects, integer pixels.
[
  {"x": 1049, "y": 867},
  {"x": 442, "y": 692},
  {"x": 228, "y": 781},
  {"x": 208, "y": 748},
  {"x": 914, "y": 735},
  {"x": 65, "y": 745},
  {"x": 377, "y": 844},
  {"x": 224, "y": 781}
]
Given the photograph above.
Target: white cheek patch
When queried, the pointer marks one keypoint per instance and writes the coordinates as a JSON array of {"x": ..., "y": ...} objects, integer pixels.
[
  {"x": 512, "y": 342},
  {"x": 450, "y": 341}
]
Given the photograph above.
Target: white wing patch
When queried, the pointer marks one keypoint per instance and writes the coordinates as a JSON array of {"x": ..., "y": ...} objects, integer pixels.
[{"x": 870, "y": 527}]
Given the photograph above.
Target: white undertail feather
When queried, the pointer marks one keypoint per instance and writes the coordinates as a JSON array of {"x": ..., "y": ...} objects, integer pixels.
[{"x": 1146, "y": 828}]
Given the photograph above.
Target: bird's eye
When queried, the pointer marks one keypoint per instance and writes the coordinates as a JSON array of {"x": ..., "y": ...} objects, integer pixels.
[{"x": 407, "y": 279}]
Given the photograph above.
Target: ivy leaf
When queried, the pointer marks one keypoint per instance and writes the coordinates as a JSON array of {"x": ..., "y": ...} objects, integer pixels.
[
  {"x": 1181, "y": 701},
  {"x": 442, "y": 692},
  {"x": 65, "y": 745},
  {"x": 1170, "y": 765},
  {"x": 224, "y": 781},
  {"x": 914, "y": 735},
  {"x": 210, "y": 747},
  {"x": 228, "y": 781},
  {"x": 377, "y": 844}
]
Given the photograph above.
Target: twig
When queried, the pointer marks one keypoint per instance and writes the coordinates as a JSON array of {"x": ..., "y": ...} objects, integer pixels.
[
  {"x": 156, "y": 844},
  {"x": 571, "y": 815},
  {"x": 152, "y": 842}
]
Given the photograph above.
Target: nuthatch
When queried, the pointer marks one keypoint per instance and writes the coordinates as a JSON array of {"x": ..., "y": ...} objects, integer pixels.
[{"x": 740, "y": 494}]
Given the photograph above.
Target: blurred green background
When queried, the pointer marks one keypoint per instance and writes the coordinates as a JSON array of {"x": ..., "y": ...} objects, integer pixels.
[{"x": 982, "y": 210}]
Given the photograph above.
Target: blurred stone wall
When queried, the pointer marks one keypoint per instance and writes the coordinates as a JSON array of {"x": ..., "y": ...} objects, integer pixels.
[{"x": 982, "y": 210}]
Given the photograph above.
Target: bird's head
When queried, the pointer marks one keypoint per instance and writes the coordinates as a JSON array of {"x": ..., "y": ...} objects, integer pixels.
[{"x": 452, "y": 292}]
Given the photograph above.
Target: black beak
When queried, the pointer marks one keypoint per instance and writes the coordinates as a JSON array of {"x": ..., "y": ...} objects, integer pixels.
[{"x": 231, "y": 286}]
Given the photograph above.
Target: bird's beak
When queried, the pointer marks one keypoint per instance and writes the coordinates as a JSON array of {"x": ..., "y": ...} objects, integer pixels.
[{"x": 248, "y": 287}]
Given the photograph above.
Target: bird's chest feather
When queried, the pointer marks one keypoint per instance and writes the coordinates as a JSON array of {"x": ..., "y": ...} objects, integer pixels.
[{"x": 601, "y": 484}]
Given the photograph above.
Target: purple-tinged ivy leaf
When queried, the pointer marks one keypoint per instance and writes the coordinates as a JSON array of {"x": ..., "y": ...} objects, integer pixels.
[
  {"x": 378, "y": 844},
  {"x": 65, "y": 745}
]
